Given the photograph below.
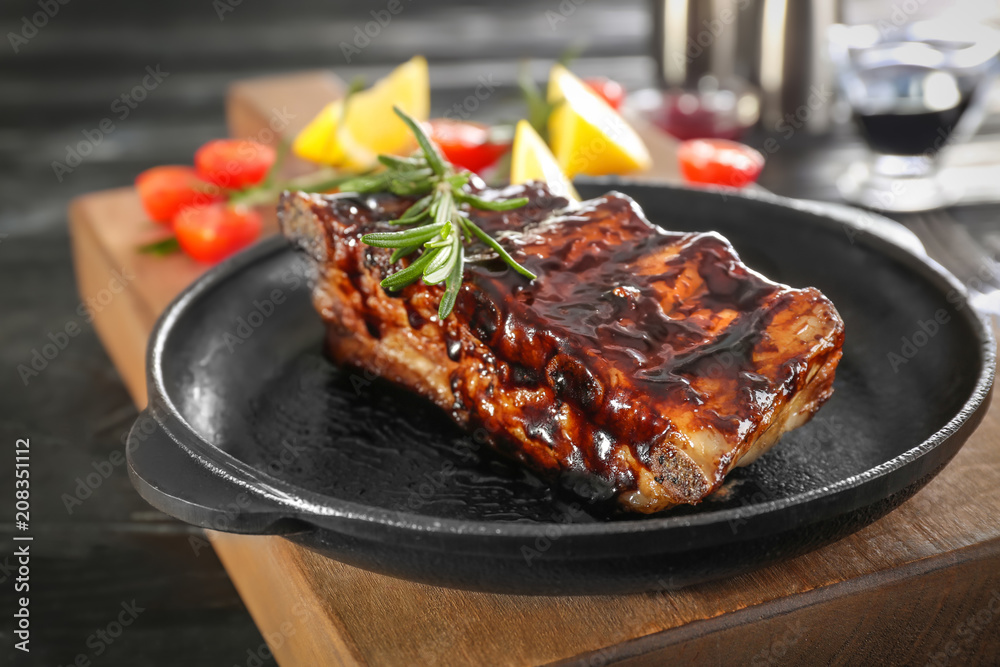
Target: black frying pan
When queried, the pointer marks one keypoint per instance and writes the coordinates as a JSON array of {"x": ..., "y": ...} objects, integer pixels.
[{"x": 251, "y": 430}]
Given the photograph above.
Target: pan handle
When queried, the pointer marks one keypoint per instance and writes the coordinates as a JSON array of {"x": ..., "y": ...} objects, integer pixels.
[{"x": 173, "y": 481}]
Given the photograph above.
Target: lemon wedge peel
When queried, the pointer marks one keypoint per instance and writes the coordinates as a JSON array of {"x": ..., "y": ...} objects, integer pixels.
[
  {"x": 354, "y": 138},
  {"x": 587, "y": 135},
  {"x": 531, "y": 160}
]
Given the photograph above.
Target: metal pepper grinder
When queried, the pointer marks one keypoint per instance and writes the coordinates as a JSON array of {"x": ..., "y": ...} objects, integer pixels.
[{"x": 779, "y": 46}]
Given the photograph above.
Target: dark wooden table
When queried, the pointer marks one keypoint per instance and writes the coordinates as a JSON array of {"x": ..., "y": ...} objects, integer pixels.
[{"x": 97, "y": 545}]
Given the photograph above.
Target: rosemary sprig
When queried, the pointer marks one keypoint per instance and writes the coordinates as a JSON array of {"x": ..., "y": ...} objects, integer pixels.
[
  {"x": 161, "y": 248},
  {"x": 539, "y": 108},
  {"x": 439, "y": 219},
  {"x": 321, "y": 180}
]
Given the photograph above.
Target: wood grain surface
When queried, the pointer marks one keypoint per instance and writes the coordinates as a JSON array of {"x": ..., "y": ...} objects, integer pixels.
[{"x": 921, "y": 585}]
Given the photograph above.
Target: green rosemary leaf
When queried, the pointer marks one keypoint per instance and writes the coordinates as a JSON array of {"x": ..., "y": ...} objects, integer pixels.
[
  {"x": 366, "y": 184},
  {"x": 402, "y": 163},
  {"x": 539, "y": 108},
  {"x": 422, "y": 174},
  {"x": 403, "y": 238},
  {"x": 405, "y": 187},
  {"x": 572, "y": 52},
  {"x": 490, "y": 204},
  {"x": 443, "y": 208},
  {"x": 438, "y": 222},
  {"x": 356, "y": 85},
  {"x": 453, "y": 284},
  {"x": 325, "y": 186},
  {"x": 417, "y": 210},
  {"x": 423, "y": 215},
  {"x": 415, "y": 213},
  {"x": 400, "y": 253},
  {"x": 445, "y": 237},
  {"x": 410, "y": 274},
  {"x": 446, "y": 230},
  {"x": 439, "y": 273},
  {"x": 322, "y": 180},
  {"x": 284, "y": 146},
  {"x": 167, "y": 246},
  {"x": 429, "y": 148},
  {"x": 491, "y": 242},
  {"x": 440, "y": 267}
]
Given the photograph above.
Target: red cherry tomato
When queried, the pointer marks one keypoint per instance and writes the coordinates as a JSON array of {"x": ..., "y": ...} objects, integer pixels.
[
  {"x": 466, "y": 145},
  {"x": 234, "y": 163},
  {"x": 719, "y": 162},
  {"x": 164, "y": 191},
  {"x": 612, "y": 91},
  {"x": 211, "y": 233}
]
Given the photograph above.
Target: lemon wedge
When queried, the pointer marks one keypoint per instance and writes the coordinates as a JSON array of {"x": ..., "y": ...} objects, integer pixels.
[
  {"x": 531, "y": 160},
  {"x": 354, "y": 139},
  {"x": 317, "y": 140},
  {"x": 587, "y": 135}
]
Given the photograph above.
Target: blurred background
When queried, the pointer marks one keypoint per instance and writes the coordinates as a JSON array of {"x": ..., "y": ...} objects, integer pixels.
[{"x": 824, "y": 106}]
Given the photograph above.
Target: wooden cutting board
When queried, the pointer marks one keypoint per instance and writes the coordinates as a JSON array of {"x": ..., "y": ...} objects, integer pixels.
[{"x": 920, "y": 586}]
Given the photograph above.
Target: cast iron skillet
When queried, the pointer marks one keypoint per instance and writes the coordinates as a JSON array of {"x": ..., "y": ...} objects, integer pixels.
[{"x": 250, "y": 429}]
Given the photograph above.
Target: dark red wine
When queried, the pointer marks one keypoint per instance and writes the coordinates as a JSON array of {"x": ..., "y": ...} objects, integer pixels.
[
  {"x": 908, "y": 133},
  {"x": 910, "y": 109}
]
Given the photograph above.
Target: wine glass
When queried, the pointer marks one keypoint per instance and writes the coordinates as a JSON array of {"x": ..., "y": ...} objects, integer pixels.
[{"x": 912, "y": 91}]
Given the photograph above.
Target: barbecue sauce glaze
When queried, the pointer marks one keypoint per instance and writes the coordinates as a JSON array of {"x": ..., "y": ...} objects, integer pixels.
[{"x": 622, "y": 326}]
